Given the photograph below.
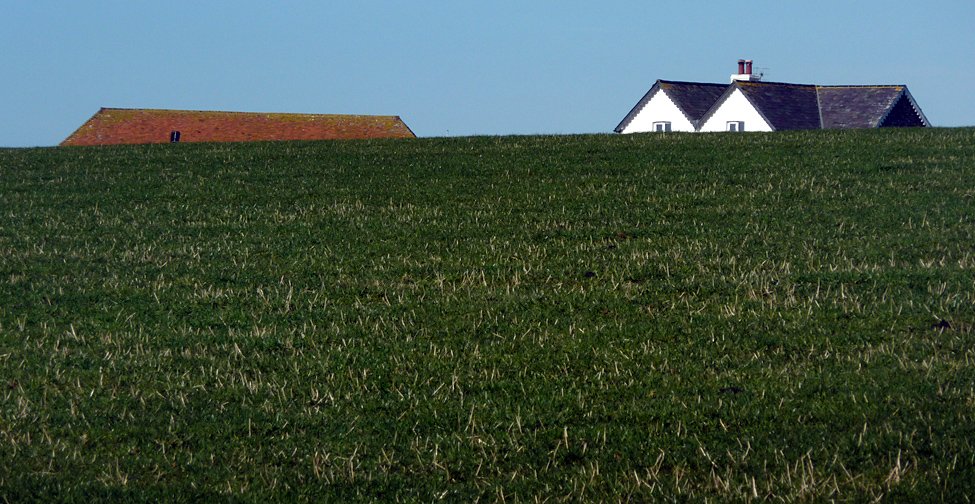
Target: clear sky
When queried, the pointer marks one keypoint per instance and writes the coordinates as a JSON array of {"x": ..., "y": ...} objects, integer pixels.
[{"x": 458, "y": 67}]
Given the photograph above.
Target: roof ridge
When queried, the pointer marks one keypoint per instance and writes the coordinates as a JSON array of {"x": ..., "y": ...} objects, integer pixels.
[
  {"x": 763, "y": 83},
  {"x": 189, "y": 111},
  {"x": 694, "y": 83},
  {"x": 865, "y": 86}
]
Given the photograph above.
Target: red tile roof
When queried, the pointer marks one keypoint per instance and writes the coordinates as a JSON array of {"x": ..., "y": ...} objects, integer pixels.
[{"x": 112, "y": 126}]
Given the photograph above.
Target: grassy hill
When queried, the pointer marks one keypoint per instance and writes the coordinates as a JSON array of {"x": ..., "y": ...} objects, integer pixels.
[{"x": 667, "y": 317}]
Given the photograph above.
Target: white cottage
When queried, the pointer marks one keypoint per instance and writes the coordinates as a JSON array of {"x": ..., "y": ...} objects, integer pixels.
[
  {"x": 749, "y": 104},
  {"x": 672, "y": 106}
]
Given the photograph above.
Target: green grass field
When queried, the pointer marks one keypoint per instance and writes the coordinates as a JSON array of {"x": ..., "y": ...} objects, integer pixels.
[{"x": 648, "y": 318}]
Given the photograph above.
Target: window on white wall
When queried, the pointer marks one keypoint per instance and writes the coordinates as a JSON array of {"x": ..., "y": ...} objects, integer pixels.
[
  {"x": 661, "y": 126},
  {"x": 736, "y": 125}
]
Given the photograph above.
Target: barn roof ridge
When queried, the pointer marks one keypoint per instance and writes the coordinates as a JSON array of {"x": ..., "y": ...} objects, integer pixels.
[{"x": 240, "y": 112}]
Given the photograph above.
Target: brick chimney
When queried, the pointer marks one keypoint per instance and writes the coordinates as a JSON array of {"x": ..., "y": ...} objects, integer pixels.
[{"x": 745, "y": 72}]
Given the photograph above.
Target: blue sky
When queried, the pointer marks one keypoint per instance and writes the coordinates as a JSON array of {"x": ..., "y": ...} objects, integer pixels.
[{"x": 458, "y": 68}]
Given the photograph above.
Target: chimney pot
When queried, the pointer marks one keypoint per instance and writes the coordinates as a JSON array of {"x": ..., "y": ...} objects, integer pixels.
[
  {"x": 741, "y": 66},
  {"x": 748, "y": 67}
]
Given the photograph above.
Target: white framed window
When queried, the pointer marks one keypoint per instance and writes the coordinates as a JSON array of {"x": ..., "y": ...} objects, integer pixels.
[
  {"x": 661, "y": 126},
  {"x": 736, "y": 126}
]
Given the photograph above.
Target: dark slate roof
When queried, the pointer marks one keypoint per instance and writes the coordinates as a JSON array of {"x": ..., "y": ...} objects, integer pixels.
[
  {"x": 139, "y": 126},
  {"x": 694, "y": 99},
  {"x": 784, "y": 106},
  {"x": 846, "y": 107},
  {"x": 905, "y": 113}
]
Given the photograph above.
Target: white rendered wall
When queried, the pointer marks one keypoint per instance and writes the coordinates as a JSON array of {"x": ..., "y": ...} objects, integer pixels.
[
  {"x": 736, "y": 108},
  {"x": 659, "y": 108}
]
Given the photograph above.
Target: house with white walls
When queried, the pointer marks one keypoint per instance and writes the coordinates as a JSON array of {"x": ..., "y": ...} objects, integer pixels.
[
  {"x": 750, "y": 104},
  {"x": 672, "y": 106}
]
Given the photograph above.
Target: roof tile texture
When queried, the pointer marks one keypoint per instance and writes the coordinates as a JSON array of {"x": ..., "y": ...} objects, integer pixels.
[
  {"x": 856, "y": 106},
  {"x": 785, "y": 106},
  {"x": 694, "y": 98}
]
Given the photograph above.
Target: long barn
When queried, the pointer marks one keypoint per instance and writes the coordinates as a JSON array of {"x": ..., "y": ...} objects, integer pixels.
[{"x": 112, "y": 126}]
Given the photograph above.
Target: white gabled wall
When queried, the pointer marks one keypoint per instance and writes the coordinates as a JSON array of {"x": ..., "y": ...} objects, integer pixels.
[
  {"x": 659, "y": 108},
  {"x": 735, "y": 108}
]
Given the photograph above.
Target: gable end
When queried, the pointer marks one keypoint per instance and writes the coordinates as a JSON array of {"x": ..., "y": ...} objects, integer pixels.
[
  {"x": 903, "y": 114},
  {"x": 635, "y": 111}
]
